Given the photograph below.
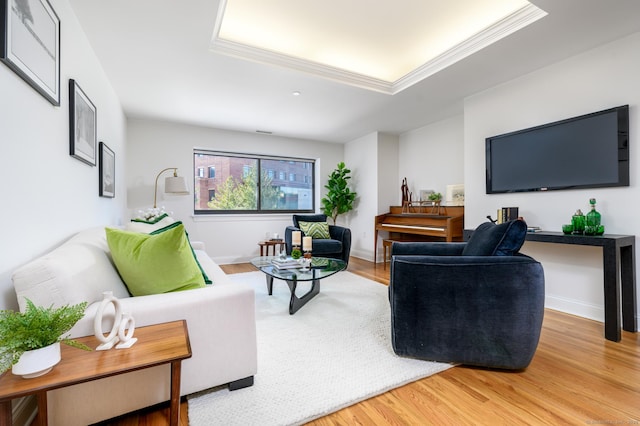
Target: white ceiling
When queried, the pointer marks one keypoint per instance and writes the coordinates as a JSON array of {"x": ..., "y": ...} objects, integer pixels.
[
  {"x": 156, "y": 53},
  {"x": 352, "y": 42}
]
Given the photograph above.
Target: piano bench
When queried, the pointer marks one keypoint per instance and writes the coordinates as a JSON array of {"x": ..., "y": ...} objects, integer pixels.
[{"x": 386, "y": 250}]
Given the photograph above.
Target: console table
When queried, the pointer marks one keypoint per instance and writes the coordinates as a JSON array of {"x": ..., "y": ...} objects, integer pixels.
[
  {"x": 166, "y": 343},
  {"x": 619, "y": 273}
]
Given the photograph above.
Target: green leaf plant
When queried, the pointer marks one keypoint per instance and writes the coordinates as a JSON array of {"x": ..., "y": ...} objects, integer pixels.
[
  {"x": 339, "y": 198},
  {"x": 36, "y": 328}
]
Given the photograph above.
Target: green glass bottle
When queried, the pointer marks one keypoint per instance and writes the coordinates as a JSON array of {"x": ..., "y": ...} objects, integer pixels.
[
  {"x": 593, "y": 217},
  {"x": 578, "y": 222}
]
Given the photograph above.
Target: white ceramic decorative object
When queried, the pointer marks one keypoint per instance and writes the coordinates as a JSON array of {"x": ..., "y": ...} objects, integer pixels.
[
  {"x": 125, "y": 332},
  {"x": 37, "y": 362},
  {"x": 117, "y": 332}
]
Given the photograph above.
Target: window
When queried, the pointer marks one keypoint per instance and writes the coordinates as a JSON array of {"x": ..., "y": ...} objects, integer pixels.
[
  {"x": 200, "y": 172},
  {"x": 246, "y": 183}
]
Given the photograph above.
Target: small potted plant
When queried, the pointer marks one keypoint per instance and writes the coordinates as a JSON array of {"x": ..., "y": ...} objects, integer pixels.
[
  {"x": 436, "y": 198},
  {"x": 30, "y": 340}
]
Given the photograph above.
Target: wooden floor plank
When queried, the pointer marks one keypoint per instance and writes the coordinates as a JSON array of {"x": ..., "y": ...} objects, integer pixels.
[{"x": 576, "y": 377}]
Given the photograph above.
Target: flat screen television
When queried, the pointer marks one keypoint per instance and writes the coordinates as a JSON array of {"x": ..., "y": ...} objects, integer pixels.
[{"x": 589, "y": 151}]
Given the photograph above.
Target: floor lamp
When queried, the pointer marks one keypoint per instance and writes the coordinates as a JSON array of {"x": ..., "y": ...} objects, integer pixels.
[{"x": 172, "y": 185}]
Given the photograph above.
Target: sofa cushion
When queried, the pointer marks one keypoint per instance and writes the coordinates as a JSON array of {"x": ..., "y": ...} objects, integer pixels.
[
  {"x": 489, "y": 239},
  {"x": 155, "y": 263},
  {"x": 315, "y": 229}
]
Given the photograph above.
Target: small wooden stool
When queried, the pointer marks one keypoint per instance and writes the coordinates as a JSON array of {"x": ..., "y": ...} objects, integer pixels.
[{"x": 271, "y": 243}]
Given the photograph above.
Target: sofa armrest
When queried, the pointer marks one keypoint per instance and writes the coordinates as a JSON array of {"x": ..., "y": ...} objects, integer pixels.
[
  {"x": 221, "y": 324},
  {"x": 198, "y": 245},
  {"x": 427, "y": 248}
]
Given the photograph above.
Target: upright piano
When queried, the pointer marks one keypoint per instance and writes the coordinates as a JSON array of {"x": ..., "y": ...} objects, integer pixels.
[{"x": 419, "y": 223}]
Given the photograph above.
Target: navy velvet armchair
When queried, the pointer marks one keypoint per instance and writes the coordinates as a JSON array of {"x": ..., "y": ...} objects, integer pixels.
[
  {"x": 478, "y": 303},
  {"x": 337, "y": 246}
]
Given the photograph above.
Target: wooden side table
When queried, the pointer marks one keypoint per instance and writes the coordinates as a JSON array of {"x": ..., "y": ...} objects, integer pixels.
[
  {"x": 166, "y": 343},
  {"x": 271, "y": 243}
]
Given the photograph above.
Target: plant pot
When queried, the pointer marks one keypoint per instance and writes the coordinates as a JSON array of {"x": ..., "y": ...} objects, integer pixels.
[{"x": 37, "y": 362}]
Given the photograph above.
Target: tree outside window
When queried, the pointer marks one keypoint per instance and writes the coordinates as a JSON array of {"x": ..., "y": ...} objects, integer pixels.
[{"x": 244, "y": 183}]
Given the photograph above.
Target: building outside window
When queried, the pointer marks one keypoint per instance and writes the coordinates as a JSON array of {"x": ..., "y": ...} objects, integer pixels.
[{"x": 248, "y": 183}]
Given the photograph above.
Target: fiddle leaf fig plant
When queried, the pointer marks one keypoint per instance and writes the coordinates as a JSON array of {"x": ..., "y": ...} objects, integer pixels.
[
  {"x": 36, "y": 328},
  {"x": 339, "y": 198}
]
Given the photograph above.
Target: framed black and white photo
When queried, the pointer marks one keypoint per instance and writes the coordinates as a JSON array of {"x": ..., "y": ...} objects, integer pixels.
[
  {"x": 83, "y": 133},
  {"x": 107, "y": 166},
  {"x": 30, "y": 44}
]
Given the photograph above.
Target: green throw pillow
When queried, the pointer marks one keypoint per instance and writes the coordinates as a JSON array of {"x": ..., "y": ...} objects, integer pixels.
[
  {"x": 173, "y": 225},
  {"x": 315, "y": 229},
  {"x": 152, "y": 264}
]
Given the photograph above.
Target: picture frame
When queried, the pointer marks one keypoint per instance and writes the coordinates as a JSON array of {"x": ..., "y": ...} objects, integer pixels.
[
  {"x": 107, "y": 171},
  {"x": 83, "y": 126},
  {"x": 424, "y": 197},
  {"x": 455, "y": 195},
  {"x": 30, "y": 44}
]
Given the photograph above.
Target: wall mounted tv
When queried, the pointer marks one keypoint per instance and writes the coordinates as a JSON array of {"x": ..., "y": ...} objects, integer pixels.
[{"x": 589, "y": 151}]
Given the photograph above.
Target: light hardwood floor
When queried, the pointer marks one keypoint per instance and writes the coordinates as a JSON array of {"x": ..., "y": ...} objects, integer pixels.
[{"x": 576, "y": 377}]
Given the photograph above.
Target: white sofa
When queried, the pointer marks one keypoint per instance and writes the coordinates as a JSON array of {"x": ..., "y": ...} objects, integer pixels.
[{"x": 220, "y": 319}]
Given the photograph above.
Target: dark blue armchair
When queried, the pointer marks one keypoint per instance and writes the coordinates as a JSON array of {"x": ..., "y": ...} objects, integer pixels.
[
  {"x": 338, "y": 246},
  {"x": 478, "y": 303}
]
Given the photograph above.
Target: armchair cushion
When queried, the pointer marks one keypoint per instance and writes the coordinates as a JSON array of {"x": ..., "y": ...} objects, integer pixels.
[
  {"x": 315, "y": 229},
  {"x": 489, "y": 239}
]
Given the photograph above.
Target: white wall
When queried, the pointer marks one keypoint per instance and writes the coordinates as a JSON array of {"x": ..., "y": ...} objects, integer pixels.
[
  {"x": 373, "y": 160},
  {"x": 46, "y": 194},
  {"x": 598, "y": 79},
  {"x": 431, "y": 157},
  {"x": 155, "y": 145}
]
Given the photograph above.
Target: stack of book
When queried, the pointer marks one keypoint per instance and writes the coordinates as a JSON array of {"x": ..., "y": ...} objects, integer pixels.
[
  {"x": 507, "y": 214},
  {"x": 287, "y": 263}
]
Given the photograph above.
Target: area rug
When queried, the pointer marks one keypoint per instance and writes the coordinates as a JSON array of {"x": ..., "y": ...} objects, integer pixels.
[{"x": 335, "y": 351}]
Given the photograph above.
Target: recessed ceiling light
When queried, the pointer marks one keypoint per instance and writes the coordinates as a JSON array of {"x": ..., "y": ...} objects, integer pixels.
[{"x": 296, "y": 93}]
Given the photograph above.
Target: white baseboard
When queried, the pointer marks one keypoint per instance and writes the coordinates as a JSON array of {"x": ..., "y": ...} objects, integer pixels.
[{"x": 575, "y": 307}]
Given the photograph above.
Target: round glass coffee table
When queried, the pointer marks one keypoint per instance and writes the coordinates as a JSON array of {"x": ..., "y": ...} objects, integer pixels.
[{"x": 321, "y": 267}]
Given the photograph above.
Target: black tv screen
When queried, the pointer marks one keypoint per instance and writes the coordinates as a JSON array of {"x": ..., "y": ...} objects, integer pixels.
[{"x": 589, "y": 151}]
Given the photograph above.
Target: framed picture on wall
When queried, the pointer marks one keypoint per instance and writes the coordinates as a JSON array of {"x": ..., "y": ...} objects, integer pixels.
[
  {"x": 83, "y": 126},
  {"x": 30, "y": 44},
  {"x": 107, "y": 170},
  {"x": 455, "y": 195}
]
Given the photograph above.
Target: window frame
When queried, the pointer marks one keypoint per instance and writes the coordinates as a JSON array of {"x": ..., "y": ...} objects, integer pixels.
[{"x": 306, "y": 164}]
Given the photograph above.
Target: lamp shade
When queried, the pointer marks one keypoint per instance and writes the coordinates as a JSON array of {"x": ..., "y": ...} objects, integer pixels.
[
  {"x": 172, "y": 185},
  {"x": 175, "y": 185}
]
